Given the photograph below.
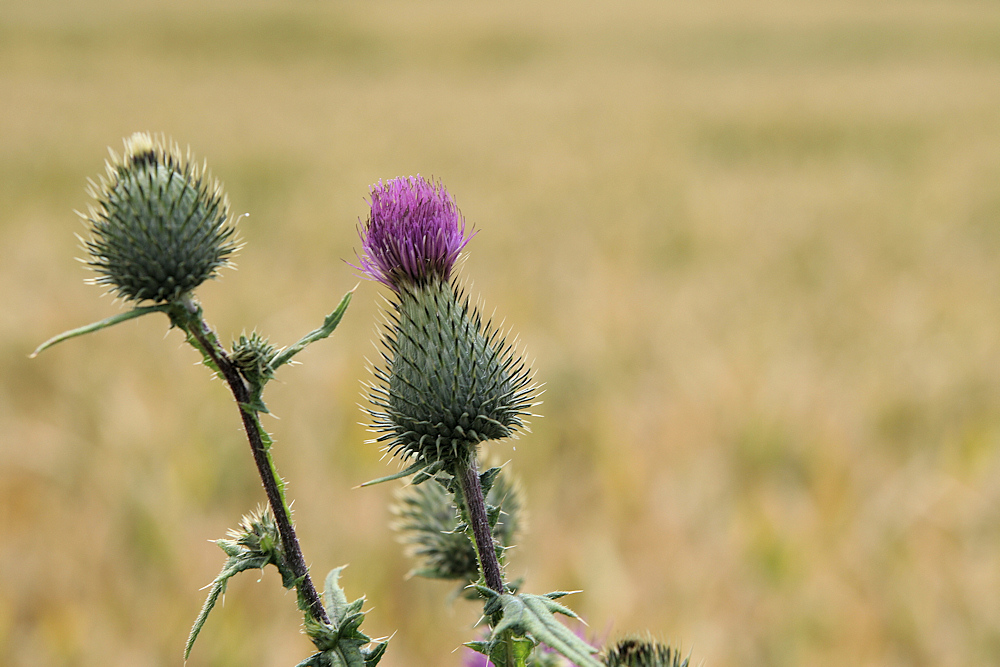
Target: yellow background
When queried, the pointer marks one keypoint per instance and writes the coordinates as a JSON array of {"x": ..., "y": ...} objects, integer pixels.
[{"x": 752, "y": 248}]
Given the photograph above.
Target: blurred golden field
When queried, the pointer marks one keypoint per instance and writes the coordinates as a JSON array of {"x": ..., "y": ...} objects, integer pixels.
[{"x": 752, "y": 248}]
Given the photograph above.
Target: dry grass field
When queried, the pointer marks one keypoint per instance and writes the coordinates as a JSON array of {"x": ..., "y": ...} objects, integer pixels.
[{"x": 752, "y": 248}]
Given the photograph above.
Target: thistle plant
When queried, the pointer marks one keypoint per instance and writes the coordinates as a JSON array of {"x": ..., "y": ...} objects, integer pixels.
[{"x": 448, "y": 383}]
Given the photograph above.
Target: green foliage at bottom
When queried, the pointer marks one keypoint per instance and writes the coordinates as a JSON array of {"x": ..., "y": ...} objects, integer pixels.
[
  {"x": 341, "y": 644},
  {"x": 530, "y": 617}
]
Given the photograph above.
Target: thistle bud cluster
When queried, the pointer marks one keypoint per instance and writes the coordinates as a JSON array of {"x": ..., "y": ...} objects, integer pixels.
[{"x": 253, "y": 355}]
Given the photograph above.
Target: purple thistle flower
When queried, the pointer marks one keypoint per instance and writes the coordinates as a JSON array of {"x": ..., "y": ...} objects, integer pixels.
[
  {"x": 413, "y": 235},
  {"x": 450, "y": 381}
]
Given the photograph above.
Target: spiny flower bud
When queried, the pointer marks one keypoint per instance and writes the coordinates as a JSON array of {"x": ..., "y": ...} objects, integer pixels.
[
  {"x": 449, "y": 381},
  {"x": 257, "y": 534},
  {"x": 160, "y": 226},
  {"x": 643, "y": 653},
  {"x": 253, "y": 355}
]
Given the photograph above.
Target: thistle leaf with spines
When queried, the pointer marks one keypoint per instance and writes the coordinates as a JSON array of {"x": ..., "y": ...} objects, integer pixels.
[
  {"x": 532, "y": 617},
  {"x": 341, "y": 643},
  {"x": 330, "y": 323}
]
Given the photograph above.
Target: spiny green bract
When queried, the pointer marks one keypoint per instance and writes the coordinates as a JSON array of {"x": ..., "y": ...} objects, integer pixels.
[
  {"x": 449, "y": 383},
  {"x": 160, "y": 226},
  {"x": 428, "y": 523},
  {"x": 635, "y": 652}
]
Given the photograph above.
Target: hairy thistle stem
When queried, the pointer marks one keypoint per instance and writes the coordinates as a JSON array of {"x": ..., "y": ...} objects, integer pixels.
[
  {"x": 206, "y": 340},
  {"x": 475, "y": 503}
]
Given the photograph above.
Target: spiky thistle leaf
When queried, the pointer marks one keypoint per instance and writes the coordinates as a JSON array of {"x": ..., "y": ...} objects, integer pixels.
[
  {"x": 532, "y": 617},
  {"x": 254, "y": 545}
]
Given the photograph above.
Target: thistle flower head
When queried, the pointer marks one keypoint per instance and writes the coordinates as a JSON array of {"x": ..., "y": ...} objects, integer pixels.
[
  {"x": 413, "y": 235},
  {"x": 160, "y": 225},
  {"x": 450, "y": 380}
]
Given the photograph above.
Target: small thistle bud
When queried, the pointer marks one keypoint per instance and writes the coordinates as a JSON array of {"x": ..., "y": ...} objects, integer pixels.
[
  {"x": 257, "y": 533},
  {"x": 160, "y": 226},
  {"x": 450, "y": 381},
  {"x": 253, "y": 355},
  {"x": 643, "y": 653}
]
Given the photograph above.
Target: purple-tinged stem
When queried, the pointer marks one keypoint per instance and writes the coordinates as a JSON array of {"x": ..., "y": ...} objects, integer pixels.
[
  {"x": 206, "y": 340},
  {"x": 475, "y": 504}
]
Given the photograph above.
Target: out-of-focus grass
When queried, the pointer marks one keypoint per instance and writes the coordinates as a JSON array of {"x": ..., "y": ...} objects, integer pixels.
[{"x": 754, "y": 250}]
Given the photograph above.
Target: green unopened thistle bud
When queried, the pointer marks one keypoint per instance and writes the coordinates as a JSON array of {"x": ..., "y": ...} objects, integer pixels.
[
  {"x": 643, "y": 653},
  {"x": 160, "y": 226},
  {"x": 254, "y": 356},
  {"x": 450, "y": 381},
  {"x": 257, "y": 534}
]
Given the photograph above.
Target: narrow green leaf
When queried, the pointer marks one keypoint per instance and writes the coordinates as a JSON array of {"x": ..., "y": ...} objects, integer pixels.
[
  {"x": 419, "y": 465},
  {"x": 430, "y": 472},
  {"x": 329, "y": 324},
  {"x": 234, "y": 565},
  {"x": 487, "y": 478},
  {"x": 103, "y": 324},
  {"x": 555, "y": 595},
  {"x": 374, "y": 654},
  {"x": 315, "y": 660},
  {"x": 479, "y": 647}
]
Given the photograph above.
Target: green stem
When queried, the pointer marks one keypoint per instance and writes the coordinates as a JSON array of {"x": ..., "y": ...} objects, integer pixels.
[{"x": 187, "y": 315}]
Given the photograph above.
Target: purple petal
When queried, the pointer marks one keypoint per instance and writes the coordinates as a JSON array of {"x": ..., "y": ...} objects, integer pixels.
[{"x": 413, "y": 234}]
